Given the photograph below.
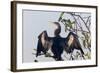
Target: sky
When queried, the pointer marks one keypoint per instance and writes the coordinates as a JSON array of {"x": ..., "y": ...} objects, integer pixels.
[{"x": 35, "y": 22}]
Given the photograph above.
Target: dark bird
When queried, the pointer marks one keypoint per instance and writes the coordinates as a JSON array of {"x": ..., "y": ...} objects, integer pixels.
[{"x": 57, "y": 44}]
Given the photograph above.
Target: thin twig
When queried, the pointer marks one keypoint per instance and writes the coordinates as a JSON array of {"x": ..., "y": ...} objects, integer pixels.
[{"x": 82, "y": 20}]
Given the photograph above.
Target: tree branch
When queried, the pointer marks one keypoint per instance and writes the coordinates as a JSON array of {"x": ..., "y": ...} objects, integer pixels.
[{"x": 82, "y": 20}]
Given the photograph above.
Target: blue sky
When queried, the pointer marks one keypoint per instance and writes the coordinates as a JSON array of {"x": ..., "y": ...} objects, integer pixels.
[{"x": 34, "y": 22}]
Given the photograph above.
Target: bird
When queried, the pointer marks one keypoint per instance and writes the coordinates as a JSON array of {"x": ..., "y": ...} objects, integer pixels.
[{"x": 57, "y": 44}]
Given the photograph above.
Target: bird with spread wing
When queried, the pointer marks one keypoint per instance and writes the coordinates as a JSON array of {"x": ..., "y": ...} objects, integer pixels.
[{"x": 58, "y": 44}]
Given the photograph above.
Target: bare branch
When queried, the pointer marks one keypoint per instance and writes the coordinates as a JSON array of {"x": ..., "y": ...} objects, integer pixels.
[
  {"x": 82, "y": 20},
  {"x": 88, "y": 19}
]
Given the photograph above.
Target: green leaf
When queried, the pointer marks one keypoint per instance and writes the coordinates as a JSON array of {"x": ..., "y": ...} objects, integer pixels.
[{"x": 60, "y": 18}]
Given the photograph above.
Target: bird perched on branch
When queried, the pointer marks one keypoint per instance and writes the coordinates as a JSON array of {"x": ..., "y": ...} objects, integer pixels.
[{"x": 57, "y": 44}]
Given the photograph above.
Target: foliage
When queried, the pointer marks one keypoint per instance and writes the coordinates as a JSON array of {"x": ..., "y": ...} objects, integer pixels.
[{"x": 76, "y": 24}]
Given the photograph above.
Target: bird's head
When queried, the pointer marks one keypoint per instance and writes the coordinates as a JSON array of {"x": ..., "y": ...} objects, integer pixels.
[{"x": 57, "y": 28}]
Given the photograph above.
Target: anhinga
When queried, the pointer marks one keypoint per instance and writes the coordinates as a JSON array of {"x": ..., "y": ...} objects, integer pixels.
[{"x": 57, "y": 44}]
